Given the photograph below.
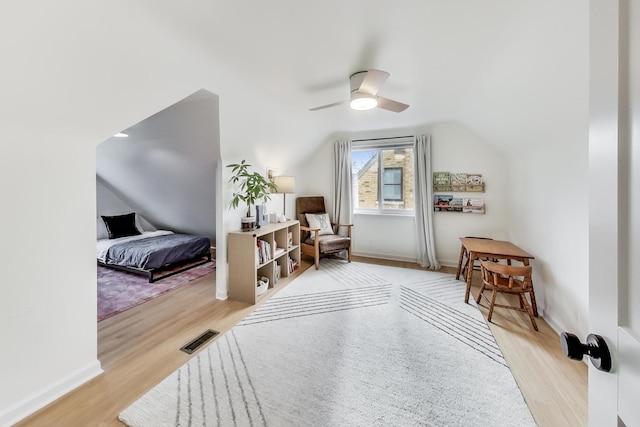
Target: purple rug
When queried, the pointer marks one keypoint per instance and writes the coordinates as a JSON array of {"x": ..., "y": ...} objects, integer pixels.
[{"x": 119, "y": 291}]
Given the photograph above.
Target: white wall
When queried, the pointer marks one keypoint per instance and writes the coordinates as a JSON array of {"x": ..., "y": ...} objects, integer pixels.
[
  {"x": 549, "y": 208},
  {"x": 455, "y": 149}
]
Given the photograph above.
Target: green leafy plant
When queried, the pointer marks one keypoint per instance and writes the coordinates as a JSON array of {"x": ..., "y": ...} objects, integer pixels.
[{"x": 251, "y": 186}]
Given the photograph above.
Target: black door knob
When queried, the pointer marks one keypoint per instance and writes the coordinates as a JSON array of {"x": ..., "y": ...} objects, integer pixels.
[{"x": 596, "y": 348}]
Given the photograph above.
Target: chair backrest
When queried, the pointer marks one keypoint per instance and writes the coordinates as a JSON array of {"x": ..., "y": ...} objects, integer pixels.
[
  {"x": 308, "y": 204},
  {"x": 500, "y": 275}
]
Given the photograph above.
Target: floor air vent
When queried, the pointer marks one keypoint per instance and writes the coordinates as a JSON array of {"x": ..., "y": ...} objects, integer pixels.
[{"x": 199, "y": 342}]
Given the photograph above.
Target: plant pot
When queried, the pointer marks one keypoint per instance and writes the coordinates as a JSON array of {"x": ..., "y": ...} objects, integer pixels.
[{"x": 248, "y": 223}]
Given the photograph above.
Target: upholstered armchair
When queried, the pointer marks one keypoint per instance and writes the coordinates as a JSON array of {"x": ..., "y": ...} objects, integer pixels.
[{"x": 319, "y": 236}]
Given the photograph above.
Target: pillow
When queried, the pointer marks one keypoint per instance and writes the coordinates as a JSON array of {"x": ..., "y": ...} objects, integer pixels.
[
  {"x": 321, "y": 221},
  {"x": 101, "y": 229},
  {"x": 121, "y": 225}
]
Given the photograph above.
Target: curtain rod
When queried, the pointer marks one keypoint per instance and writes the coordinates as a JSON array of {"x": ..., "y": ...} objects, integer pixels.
[{"x": 378, "y": 139}]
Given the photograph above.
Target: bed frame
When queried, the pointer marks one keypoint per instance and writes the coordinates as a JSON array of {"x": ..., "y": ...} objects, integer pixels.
[{"x": 152, "y": 273}]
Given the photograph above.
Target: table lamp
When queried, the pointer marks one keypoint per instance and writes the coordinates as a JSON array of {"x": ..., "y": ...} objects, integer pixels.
[{"x": 285, "y": 184}]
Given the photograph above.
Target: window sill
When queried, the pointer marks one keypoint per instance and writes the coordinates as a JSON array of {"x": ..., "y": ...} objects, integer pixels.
[{"x": 388, "y": 212}]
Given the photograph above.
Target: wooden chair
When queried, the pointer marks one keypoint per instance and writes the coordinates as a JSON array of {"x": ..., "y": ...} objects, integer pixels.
[
  {"x": 508, "y": 279},
  {"x": 311, "y": 241}
]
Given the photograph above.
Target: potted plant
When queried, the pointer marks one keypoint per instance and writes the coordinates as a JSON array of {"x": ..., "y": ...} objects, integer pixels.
[{"x": 251, "y": 188}]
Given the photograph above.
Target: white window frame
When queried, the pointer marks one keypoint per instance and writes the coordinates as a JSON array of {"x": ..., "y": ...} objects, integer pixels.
[{"x": 379, "y": 145}]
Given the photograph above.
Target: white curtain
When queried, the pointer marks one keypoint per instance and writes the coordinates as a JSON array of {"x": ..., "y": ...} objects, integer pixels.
[
  {"x": 424, "y": 203},
  {"x": 342, "y": 183}
]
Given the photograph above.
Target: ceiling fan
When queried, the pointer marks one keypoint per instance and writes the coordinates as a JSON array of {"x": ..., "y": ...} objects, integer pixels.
[{"x": 364, "y": 93}]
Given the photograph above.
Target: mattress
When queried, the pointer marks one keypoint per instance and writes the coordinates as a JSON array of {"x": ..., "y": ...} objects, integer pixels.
[{"x": 151, "y": 250}]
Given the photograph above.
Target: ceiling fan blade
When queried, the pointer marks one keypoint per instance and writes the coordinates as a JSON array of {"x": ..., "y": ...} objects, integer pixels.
[
  {"x": 372, "y": 81},
  {"x": 329, "y": 105},
  {"x": 391, "y": 105}
]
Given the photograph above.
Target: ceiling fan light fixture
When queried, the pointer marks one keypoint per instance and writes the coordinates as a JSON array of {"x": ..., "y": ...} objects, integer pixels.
[{"x": 364, "y": 102}]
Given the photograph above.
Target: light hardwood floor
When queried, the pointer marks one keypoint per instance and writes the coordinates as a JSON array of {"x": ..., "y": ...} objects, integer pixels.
[{"x": 138, "y": 348}]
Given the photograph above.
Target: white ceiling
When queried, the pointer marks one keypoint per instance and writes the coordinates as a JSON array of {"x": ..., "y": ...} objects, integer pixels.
[{"x": 513, "y": 71}]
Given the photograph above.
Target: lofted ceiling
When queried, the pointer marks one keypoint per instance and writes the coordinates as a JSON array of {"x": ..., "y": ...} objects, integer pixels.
[{"x": 513, "y": 71}]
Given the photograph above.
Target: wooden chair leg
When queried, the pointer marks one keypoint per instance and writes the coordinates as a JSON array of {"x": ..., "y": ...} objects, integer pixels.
[
  {"x": 482, "y": 288},
  {"x": 493, "y": 301},
  {"x": 523, "y": 300},
  {"x": 534, "y": 306},
  {"x": 316, "y": 254}
]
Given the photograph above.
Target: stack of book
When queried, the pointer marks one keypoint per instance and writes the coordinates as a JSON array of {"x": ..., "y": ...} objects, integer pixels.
[
  {"x": 263, "y": 252},
  {"x": 293, "y": 265}
]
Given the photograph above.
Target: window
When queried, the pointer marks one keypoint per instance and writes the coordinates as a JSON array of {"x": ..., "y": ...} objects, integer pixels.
[
  {"x": 383, "y": 175},
  {"x": 392, "y": 184}
]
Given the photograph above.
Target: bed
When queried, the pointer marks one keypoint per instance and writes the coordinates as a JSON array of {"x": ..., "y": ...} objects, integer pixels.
[{"x": 156, "y": 254}]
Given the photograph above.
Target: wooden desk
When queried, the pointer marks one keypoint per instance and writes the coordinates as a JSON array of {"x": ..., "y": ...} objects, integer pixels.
[{"x": 487, "y": 248}]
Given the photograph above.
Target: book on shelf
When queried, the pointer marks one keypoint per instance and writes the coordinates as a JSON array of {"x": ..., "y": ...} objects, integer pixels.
[
  {"x": 264, "y": 251},
  {"x": 455, "y": 205},
  {"x": 441, "y": 178},
  {"x": 441, "y": 202},
  {"x": 474, "y": 179},
  {"x": 459, "y": 181},
  {"x": 292, "y": 265},
  {"x": 473, "y": 206},
  {"x": 475, "y": 182}
]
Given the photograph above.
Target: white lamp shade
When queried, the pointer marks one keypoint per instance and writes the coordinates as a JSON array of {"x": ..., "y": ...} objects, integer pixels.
[{"x": 285, "y": 184}]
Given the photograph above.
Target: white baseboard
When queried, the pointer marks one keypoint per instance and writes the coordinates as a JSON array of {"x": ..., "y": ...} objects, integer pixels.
[
  {"x": 553, "y": 323},
  {"x": 393, "y": 257},
  {"x": 390, "y": 257},
  {"x": 41, "y": 399},
  {"x": 447, "y": 263}
]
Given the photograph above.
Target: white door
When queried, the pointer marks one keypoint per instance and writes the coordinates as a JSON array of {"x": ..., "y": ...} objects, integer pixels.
[{"x": 614, "y": 208}]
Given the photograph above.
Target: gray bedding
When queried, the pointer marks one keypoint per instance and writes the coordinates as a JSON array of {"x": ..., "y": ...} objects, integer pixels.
[{"x": 154, "y": 252}]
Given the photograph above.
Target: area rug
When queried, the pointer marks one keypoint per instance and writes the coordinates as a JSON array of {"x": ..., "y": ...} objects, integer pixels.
[
  {"x": 119, "y": 291},
  {"x": 346, "y": 345}
]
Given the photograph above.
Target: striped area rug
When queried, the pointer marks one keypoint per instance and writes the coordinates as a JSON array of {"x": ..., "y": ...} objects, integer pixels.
[{"x": 346, "y": 345}]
